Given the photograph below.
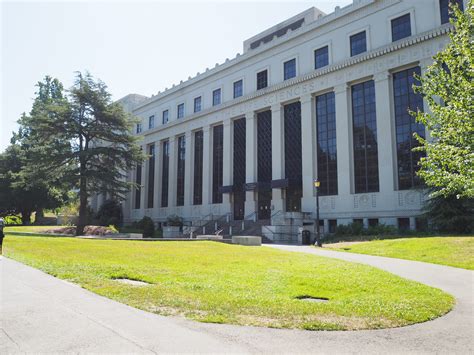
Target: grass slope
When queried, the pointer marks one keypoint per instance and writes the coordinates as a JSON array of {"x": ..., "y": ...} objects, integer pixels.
[
  {"x": 214, "y": 282},
  {"x": 451, "y": 251}
]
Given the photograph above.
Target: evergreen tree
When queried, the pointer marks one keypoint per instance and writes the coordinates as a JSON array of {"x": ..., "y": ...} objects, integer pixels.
[
  {"x": 448, "y": 86},
  {"x": 84, "y": 138}
]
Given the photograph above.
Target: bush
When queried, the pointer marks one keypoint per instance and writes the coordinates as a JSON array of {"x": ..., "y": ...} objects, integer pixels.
[
  {"x": 450, "y": 214},
  {"x": 148, "y": 226},
  {"x": 174, "y": 220},
  {"x": 110, "y": 213},
  {"x": 356, "y": 231}
]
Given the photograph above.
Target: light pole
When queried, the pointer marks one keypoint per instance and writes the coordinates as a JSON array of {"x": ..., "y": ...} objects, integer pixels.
[{"x": 317, "y": 183}]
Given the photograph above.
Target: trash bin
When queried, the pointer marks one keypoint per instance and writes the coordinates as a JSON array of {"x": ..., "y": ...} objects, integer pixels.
[{"x": 306, "y": 237}]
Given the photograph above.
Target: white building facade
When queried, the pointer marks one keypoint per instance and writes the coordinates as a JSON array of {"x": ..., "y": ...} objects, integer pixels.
[{"x": 316, "y": 97}]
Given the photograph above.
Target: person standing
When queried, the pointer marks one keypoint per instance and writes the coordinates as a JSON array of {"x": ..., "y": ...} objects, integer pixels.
[{"x": 2, "y": 235}]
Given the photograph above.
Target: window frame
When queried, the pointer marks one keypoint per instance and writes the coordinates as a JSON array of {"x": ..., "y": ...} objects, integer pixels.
[
  {"x": 151, "y": 121},
  {"x": 266, "y": 69},
  {"x": 200, "y": 104},
  {"x": 241, "y": 80},
  {"x": 326, "y": 45},
  {"x": 178, "y": 109},
  {"x": 163, "y": 116},
  {"x": 284, "y": 62},
  {"x": 220, "y": 96}
]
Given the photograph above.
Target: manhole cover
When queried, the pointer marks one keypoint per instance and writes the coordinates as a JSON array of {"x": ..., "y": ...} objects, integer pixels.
[
  {"x": 132, "y": 282},
  {"x": 312, "y": 299}
]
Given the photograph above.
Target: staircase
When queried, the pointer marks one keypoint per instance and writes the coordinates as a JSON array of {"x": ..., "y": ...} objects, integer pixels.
[{"x": 282, "y": 228}]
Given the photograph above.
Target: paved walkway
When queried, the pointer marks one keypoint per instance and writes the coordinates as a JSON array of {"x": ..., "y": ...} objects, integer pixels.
[{"x": 40, "y": 313}]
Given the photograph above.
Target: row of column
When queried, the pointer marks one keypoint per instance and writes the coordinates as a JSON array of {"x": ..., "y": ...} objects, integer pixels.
[{"x": 309, "y": 148}]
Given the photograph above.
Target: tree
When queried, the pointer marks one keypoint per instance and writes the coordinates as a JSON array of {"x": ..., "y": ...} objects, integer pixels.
[
  {"x": 450, "y": 214},
  {"x": 448, "y": 86},
  {"x": 17, "y": 194},
  {"x": 84, "y": 138}
]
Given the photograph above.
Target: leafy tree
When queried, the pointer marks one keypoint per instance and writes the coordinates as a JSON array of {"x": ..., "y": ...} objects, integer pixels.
[
  {"x": 86, "y": 139},
  {"x": 19, "y": 195},
  {"x": 448, "y": 86}
]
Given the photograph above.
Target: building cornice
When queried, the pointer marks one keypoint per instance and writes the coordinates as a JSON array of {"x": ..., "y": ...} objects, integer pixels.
[
  {"x": 392, "y": 47},
  {"x": 338, "y": 14}
]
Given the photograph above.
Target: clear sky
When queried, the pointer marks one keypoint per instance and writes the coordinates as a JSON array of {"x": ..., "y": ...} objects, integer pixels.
[{"x": 133, "y": 46}]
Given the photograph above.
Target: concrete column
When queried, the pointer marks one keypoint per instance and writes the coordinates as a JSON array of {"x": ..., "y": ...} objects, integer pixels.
[
  {"x": 172, "y": 171},
  {"x": 278, "y": 155},
  {"x": 188, "y": 171},
  {"x": 343, "y": 139},
  {"x": 365, "y": 223},
  {"x": 206, "y": 166},
  {"x": 308, "y": 142},
  {"x": 227, "y": 175},
  {"x": 250, "y": 160},
  {"x": 385, "y": 129}
]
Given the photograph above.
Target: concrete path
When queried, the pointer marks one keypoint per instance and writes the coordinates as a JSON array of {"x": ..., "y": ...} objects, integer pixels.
[{"x": 40, "y": 313}]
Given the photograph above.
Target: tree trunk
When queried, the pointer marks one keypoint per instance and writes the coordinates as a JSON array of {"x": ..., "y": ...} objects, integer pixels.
[
  {"x": 39, "y": 215},
  {"x": 81, "y": 223},
  {"x": 26, "y": 218}
]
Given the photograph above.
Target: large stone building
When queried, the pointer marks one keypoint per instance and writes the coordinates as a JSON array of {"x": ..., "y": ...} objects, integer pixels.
[{"x": 314, "y": 97}]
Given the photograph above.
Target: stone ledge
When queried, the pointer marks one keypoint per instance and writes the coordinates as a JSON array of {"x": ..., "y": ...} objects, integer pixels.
[{"x": 247, "y": 240}]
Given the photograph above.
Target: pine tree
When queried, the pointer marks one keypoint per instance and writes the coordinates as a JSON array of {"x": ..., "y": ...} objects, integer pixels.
[{"x": 84, "y": 138}]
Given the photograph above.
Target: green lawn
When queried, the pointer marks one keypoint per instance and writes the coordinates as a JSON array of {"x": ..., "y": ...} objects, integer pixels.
[
  {"x": 454, "y": 251},
  {"x": 221, "y": 283},
  {"x": 30, "y": 229}
]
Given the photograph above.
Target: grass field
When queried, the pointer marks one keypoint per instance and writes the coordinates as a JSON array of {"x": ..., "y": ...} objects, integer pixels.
[
  {"x": 220, "y": 283},
  {"x": 454, "y": 251},
  {"x": 31, "y": 229}
]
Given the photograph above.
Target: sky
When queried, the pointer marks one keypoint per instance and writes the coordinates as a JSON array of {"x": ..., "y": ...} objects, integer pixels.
[{"x": 133, "y": 46}]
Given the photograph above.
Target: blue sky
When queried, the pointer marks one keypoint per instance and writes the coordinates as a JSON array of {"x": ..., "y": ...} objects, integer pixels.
[{"x": 134, "y": 47}]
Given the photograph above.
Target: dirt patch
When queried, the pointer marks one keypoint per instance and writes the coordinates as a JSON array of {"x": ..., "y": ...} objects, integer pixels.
[{"x": 132, "y": 282}]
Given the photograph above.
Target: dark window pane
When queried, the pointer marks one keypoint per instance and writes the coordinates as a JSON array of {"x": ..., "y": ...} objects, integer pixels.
[
  {"x": 151, "y": 176},
  {"x": 445, "y": 11},
  {"x": 138, "y": 190},
  {"x": 293, "y": 159},
  {"x": 151, "y": 122},
  {"x": 238, "y": 88},
  {"x": 289, "y": 69},
  {"x": 262, "y": 79},
  {"x": 217, "y": 162},
  {"x": 264, "y": 163},
  {"x": 321, "y": 57},
  {"x": 358, "y": 43},
  {"x": 198, "y": 160},
  {"x": 180, "y": 171},
  {"x": 326, "y": 140},
  {"x": 401, "y": 27},
  {"x": 165, "y": 116},
  {"x": 366, "y": 170},
  {"x": 239, "y": 168},
  {"x": 180, "y": 111},
  {"x": 165, "y": 173},
  {"x": 216, "y": 97},
  {"x": 197, "y": 104},
  {"x": 404, "y": 100}
]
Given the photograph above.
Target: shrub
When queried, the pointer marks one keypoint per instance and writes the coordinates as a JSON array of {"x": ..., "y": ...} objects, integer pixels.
[
  {"x": 110, "y": 213},
  {"x": 174, "y": 220},
  {"x": 450, "y": 214},
  {"x": 148, "y": 227}
]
